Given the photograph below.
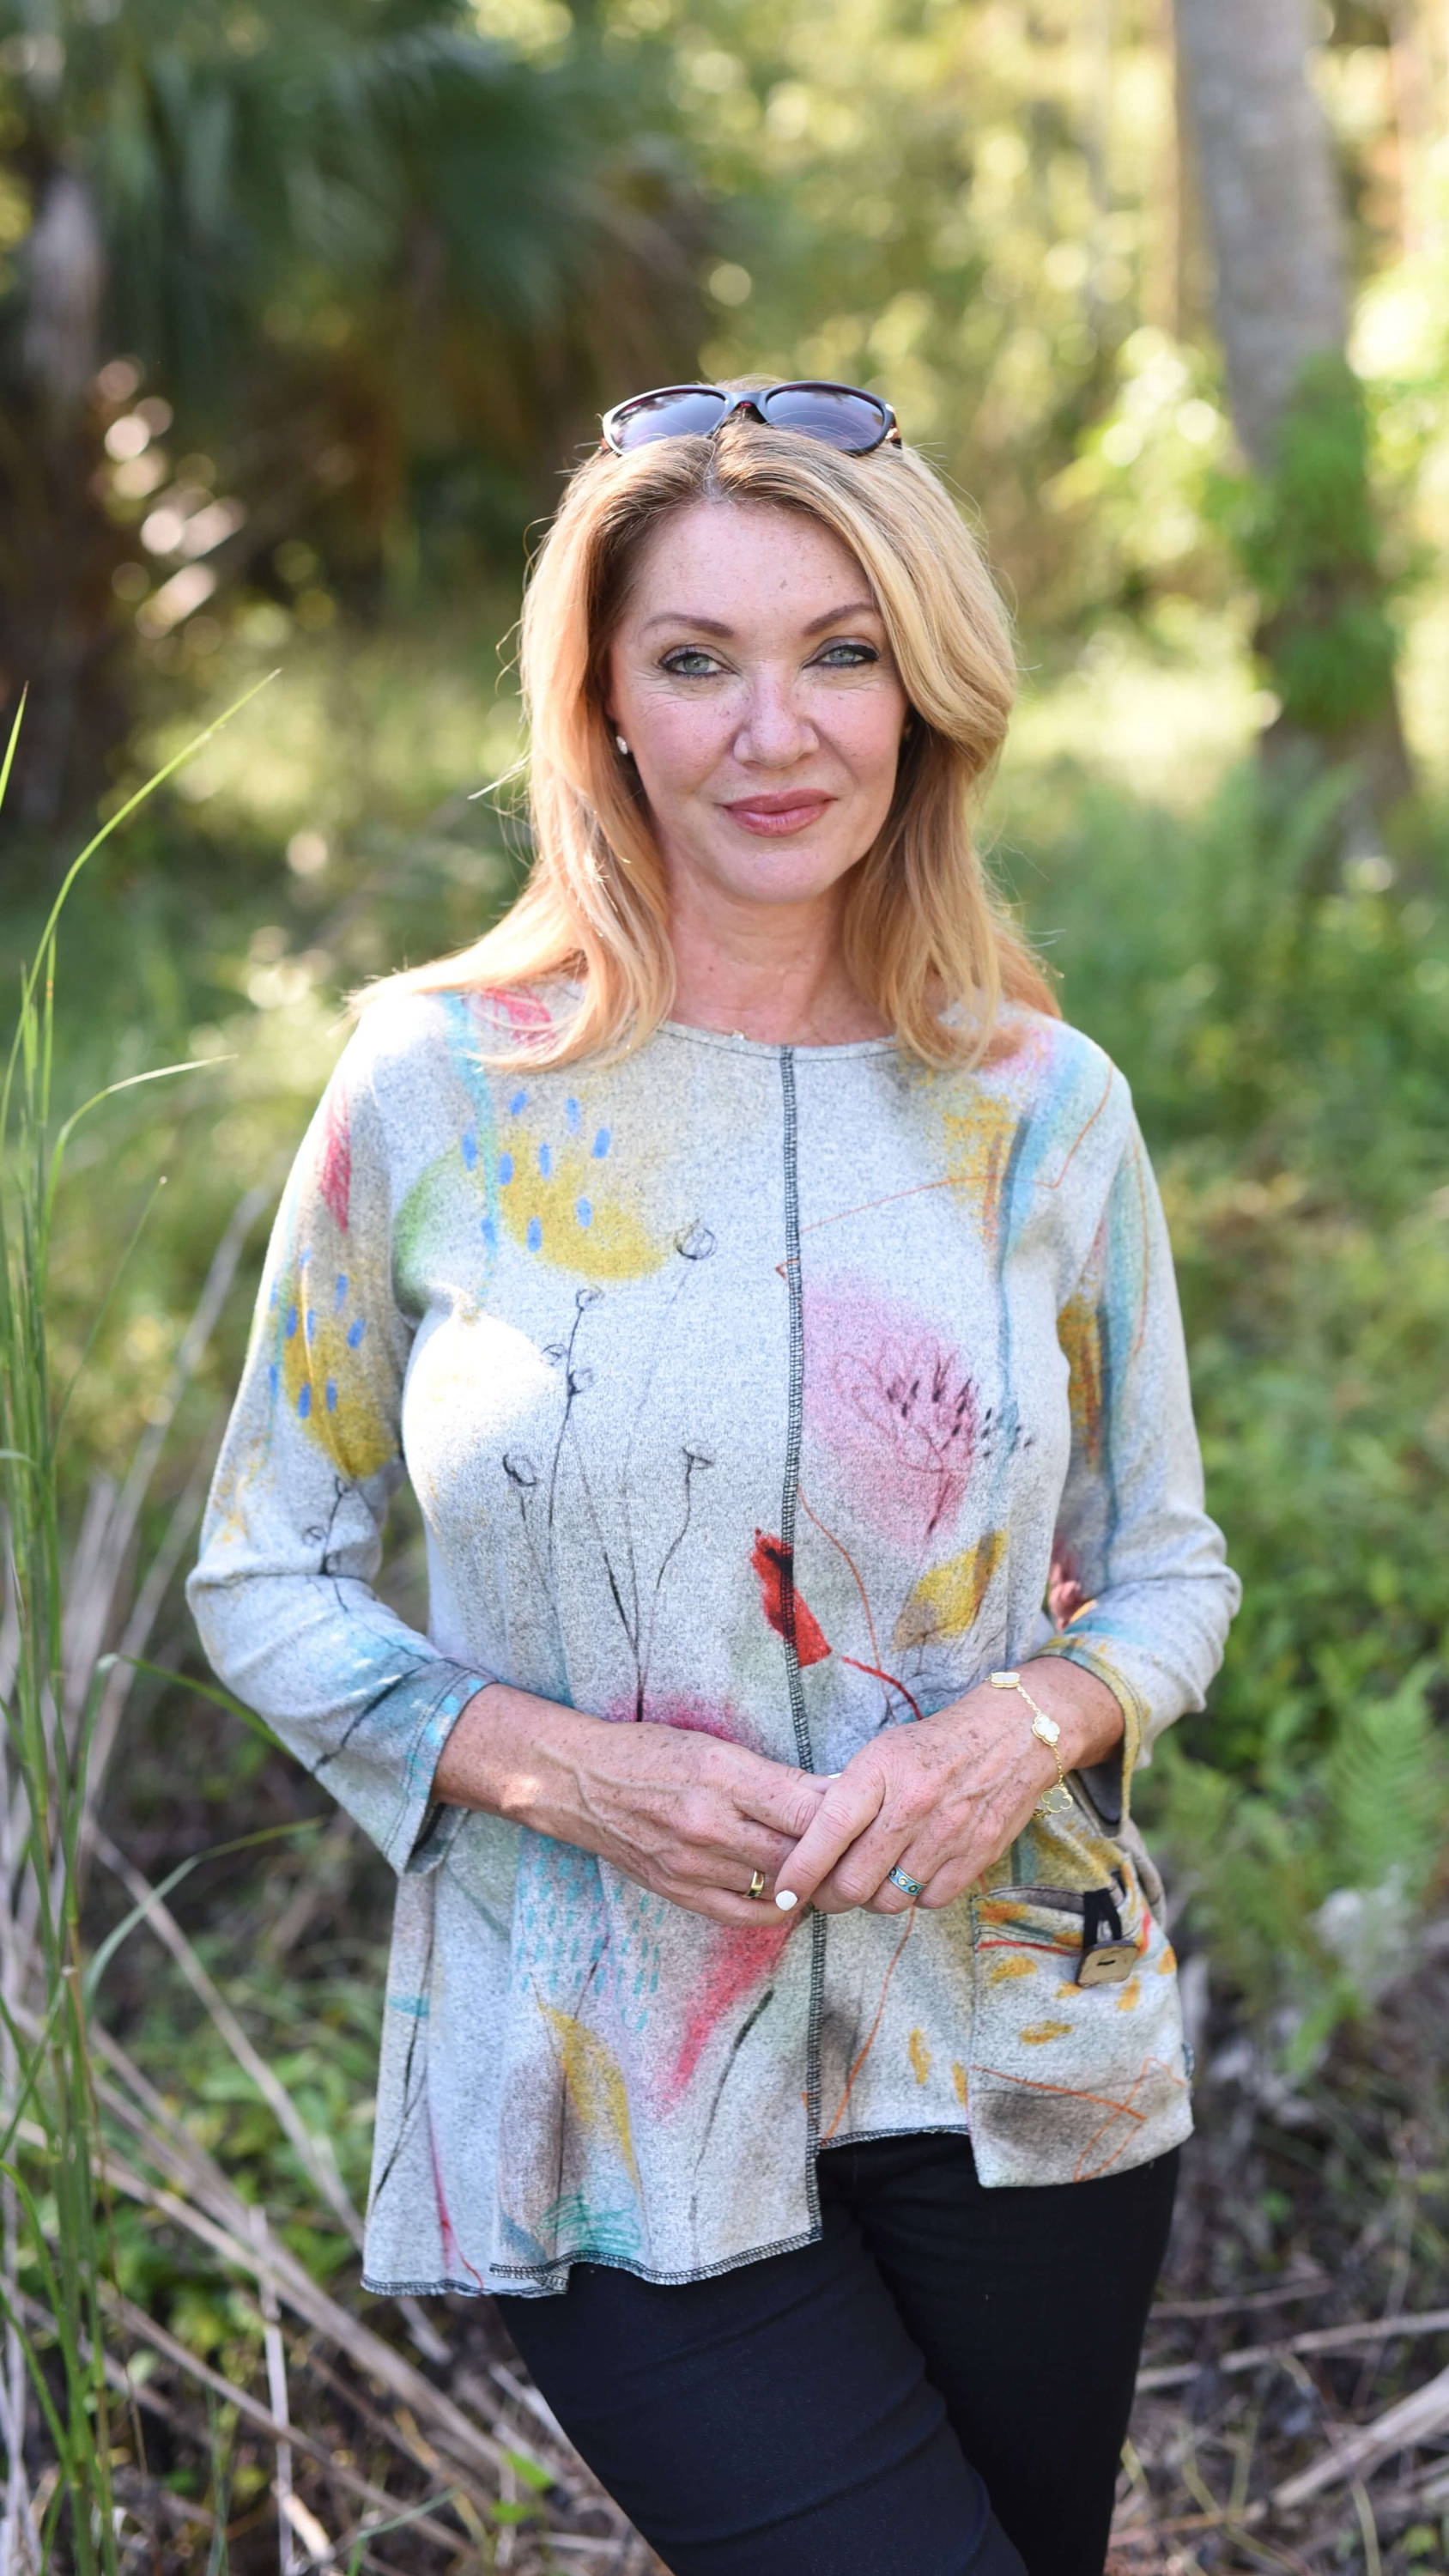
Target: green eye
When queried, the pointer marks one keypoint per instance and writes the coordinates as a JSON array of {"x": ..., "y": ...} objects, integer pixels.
[
  {"x": 859, "y": 655},
  {"x": 691, "y": 662}
]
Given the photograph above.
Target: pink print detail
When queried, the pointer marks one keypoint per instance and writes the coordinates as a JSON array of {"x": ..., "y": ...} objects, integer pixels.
[
  {"x": 520, "y": 1010},
  {"x": 334, "y": 1177},
  {"x": 895, "y": 1404},
  {"x": 691, "y": 1716},
  {"x": 453, "y": 2253},
  {"x": 736, "y": 1961}
]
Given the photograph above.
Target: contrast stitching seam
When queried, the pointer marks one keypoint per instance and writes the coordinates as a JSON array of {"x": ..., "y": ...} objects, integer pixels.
[{"x": 788, "y": 1521}]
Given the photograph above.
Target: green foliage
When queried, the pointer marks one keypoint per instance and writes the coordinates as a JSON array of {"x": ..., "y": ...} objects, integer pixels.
[{"x": 1310, "y": 1891}]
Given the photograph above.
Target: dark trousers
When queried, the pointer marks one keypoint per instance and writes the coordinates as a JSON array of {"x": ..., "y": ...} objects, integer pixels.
[{"x": 939, "y": 2387}]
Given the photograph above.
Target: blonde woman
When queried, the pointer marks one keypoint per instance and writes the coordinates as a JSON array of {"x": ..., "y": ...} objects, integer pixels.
[{"x": 768, "y": 1296}]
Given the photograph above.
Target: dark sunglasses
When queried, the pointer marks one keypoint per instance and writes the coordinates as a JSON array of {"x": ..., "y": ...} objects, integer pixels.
[{"x": 842, "y": 415}]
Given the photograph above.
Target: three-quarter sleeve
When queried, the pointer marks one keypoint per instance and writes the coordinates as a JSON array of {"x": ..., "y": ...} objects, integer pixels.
[
  {"x": 1134, "y": 1543},
  {"x": 292, "y": 1535}
]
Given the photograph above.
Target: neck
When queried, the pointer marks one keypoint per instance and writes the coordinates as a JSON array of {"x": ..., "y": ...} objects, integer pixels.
[{"x": 768, "y": 971}]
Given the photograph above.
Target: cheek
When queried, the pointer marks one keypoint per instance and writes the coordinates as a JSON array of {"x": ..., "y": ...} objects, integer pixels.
[
  {"x": 679, "y": 746},
  {"x": 867, "y": 734}
]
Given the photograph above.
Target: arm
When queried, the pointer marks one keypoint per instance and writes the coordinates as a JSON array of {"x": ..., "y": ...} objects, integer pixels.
[
  {"x": 292, "y": 1536},
  {"x": 1134, "y": 1542}
]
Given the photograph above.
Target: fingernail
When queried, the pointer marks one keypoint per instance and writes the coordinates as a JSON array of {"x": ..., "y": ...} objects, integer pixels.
[{"x": 785, "y": 1897}]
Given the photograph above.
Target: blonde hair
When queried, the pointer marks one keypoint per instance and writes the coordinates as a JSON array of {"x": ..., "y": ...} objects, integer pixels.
[{"x": 923, "y": 926}]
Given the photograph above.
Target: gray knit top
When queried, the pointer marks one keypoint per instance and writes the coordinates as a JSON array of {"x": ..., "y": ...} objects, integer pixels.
[{"x": 759, "y": 1389}]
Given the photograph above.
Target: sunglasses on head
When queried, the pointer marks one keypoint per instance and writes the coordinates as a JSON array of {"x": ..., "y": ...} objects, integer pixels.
[{"x": 843, "y": 416}]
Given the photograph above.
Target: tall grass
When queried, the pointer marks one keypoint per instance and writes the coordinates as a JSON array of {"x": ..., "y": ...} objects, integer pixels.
[{"x": 54, "y": 2262}]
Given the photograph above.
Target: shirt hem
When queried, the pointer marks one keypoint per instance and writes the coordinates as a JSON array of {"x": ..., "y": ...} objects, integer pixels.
[{"x": 544, "y": 2278}]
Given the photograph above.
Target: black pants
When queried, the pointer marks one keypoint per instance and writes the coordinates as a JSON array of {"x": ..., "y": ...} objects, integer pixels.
[{"x": 939, "y": 2387}]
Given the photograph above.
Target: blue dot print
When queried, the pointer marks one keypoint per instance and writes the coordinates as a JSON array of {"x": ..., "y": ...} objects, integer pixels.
[
  {"x": 535, "y": 1235},
  {"x": 519, "y": 1101},
  {"x": 572, "y": 1114},
  {"x": 601, "y": 1144},
  {"x": 304, "y": 1402},
  {"x": 355, "y": 1331},
  {"x": 584, "y": 1212},
  {"x": 505, "y": 1170}
]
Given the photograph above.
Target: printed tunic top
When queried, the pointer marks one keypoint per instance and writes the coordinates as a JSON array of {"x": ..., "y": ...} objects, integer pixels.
[{"x": 752, "y": 1388}]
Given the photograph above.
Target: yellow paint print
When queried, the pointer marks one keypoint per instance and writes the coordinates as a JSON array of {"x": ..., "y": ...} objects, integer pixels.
[
  {"x": 593, "y": 2081},
  {"x": 557, "y": 1197},
  {"x": 958, "y": 2080},
  {"x": 978, "y": 1147},
  {"x": 1041, "y": 2031},
  {"x": 324, "y": 1375},
  {"x": 920, "y": 2056},
  {"x": 946, "y": 1600},
  {"x": 1079, "y": 1331},
  {"x": 1001, "y": 1969},
  {"x": 1130, "y": 1996}
]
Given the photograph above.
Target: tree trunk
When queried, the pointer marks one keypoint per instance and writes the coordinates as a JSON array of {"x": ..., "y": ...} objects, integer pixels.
[
  {"x": 1270, "y": 197},
  {"x": 58, "y": 633}
]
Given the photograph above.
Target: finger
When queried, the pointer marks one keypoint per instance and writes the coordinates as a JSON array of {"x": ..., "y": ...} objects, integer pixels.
[
  {"x": 947, "y": 1884},
  {"x": 741, "y": 1913},
  {"x": 729, "y": 1865},
  {"x": 862, "y": 1870},
  {"x": 776, "y": 1794},
  {"x": 850, "y": 1805}
]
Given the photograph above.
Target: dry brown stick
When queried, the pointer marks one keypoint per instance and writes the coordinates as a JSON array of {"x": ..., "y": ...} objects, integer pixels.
[
  {"x": 1371, "y": 2330},
  {"x": 1306, "y": 2286},
  {"x": 1417, "y": 2418},
  {"x": 276, "y": 2360}
]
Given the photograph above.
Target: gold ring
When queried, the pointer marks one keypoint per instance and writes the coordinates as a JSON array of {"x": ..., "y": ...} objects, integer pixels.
[{"x": 757, "y": 1883}]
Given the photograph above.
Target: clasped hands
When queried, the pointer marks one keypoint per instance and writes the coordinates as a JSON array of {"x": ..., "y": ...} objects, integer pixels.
[{"x": 692, "y": 1817}]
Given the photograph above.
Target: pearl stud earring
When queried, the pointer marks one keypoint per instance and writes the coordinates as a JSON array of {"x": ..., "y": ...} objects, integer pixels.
[{"x": 623, "y": 746}]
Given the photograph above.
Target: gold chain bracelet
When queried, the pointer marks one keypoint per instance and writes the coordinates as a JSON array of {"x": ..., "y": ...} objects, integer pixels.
[{"x": 1058, "y": 1799}]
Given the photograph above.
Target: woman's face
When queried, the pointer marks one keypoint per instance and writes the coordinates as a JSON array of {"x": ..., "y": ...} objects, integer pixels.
[{"x": 751, "y": 678}]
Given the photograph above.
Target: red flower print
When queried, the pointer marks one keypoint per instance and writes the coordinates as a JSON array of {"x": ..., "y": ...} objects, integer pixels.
[{"x": 773, "y": 1561}]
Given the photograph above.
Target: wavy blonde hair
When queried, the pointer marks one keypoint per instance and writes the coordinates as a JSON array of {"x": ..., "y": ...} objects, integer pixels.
[{"x": 923, "y": 928}]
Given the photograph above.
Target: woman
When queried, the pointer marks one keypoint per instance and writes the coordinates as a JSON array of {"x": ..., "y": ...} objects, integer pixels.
[{"x": 769, "y": 1299}]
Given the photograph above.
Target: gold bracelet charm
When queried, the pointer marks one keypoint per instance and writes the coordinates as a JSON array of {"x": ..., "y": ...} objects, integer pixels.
[{"x": 1058, "y": 1799}]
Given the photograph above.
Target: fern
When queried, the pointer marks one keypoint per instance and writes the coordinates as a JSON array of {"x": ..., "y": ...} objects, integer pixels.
[{"x": 1387, "y": 1790}]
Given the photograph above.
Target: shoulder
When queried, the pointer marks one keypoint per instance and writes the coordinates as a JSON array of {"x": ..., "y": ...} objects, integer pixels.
[
  {"x": 1053, "y": 1070},
  {"x": 399, "y": 1036}
]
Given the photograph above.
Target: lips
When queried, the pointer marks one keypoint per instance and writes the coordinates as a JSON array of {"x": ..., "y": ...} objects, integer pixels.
[{"x": 773, "y": 816}]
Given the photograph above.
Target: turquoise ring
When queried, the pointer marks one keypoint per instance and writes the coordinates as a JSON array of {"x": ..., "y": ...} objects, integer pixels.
[{"x": 907, "y": 1886}]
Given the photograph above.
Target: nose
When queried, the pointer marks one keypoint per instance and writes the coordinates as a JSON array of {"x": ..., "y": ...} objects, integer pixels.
[{"x": 775, "y": 732}]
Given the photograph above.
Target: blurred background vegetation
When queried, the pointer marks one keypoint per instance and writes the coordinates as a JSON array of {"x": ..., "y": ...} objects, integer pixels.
[{"x": 305, "y": 308}]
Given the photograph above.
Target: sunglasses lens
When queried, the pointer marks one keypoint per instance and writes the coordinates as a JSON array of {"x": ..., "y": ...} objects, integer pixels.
[
  {"x": 841, "y": 416},
  {"x": 688, "y": 411}
]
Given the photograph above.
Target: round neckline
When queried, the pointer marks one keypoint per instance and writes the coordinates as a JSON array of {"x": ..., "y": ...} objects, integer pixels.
[
  {"x": 738, "y": 1044},
  {"x": 774, "y": 1048}
]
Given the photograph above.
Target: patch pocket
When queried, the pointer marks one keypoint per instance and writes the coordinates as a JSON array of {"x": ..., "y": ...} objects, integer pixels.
[{"x": 1072, "y": 2079}]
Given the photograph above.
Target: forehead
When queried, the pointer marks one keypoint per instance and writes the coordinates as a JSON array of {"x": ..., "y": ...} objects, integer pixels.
[{"x": 751, "y": 558}]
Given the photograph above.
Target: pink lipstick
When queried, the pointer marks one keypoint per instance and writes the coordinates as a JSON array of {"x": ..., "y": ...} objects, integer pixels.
[{"x": 774, "y": 816}]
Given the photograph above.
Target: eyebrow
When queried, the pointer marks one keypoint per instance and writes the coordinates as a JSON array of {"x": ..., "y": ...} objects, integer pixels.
[{"x": 715, "y": 626}]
